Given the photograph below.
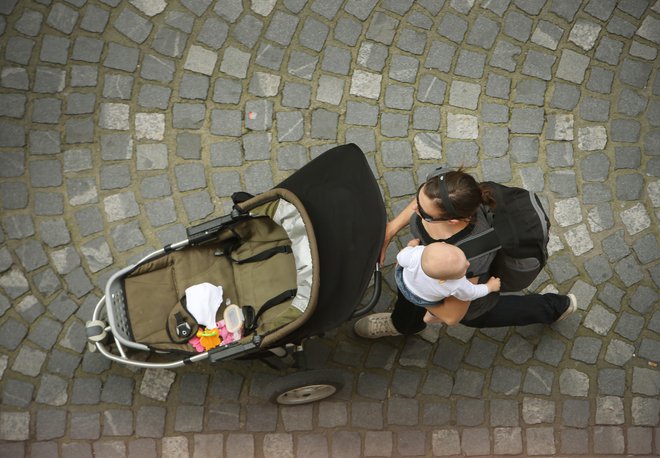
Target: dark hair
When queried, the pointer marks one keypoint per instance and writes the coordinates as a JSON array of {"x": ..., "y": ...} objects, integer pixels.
[{"x": 464, "y": 192}]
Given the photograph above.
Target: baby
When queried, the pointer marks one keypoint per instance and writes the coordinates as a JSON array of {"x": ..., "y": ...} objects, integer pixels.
[{"x": 426, "y": 275}]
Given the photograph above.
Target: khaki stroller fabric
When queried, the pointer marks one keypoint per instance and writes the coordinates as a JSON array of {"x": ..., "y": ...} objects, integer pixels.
[{"x": 154, "y": 290}]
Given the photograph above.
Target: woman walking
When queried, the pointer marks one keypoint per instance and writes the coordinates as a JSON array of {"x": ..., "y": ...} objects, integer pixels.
[{"x": 449, "y": 207}]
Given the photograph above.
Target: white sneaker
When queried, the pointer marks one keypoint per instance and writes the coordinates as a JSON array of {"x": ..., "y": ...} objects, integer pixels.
[
  {"x": 375, "y": 326},
  {"x": 572, "y": 307}
]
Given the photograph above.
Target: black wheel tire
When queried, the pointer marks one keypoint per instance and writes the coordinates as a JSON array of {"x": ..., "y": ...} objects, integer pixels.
[{"x": 305, "y": 387}]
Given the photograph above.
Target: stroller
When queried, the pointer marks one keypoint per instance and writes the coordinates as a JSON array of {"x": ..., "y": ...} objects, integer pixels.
[{"x": 294, "y": 262}]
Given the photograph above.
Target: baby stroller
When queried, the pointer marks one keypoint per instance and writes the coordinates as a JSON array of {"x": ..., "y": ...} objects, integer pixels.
[{"x": 294, "y": 261}]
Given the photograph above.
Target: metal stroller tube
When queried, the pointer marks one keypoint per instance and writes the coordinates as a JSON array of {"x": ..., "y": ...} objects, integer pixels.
[
  {"x": 375, "y": 295},
  {"x": 122, "y": 357}
]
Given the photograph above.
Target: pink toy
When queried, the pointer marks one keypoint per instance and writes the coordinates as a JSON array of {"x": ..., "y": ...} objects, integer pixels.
[{"x": 226, "y": 337}]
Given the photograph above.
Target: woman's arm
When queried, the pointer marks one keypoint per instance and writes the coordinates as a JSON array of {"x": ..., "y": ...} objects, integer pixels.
[
  {"x": 451, "y": 311},
  {"x": 394, "y": 226}
]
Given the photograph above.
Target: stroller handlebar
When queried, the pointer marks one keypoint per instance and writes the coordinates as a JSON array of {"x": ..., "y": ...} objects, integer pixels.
[
  {"x": 375, "y": 295},
  {"x": 210, "y": 229}
]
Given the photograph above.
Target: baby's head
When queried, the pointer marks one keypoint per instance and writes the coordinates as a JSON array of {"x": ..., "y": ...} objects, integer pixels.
[{"x": 443, "y": 261}]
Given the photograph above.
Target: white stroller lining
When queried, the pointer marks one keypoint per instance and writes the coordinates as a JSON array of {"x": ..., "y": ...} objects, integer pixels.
[{"x": 203, "y": 301}]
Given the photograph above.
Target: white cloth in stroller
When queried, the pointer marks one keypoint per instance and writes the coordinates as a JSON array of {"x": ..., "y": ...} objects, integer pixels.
[{"x": 203, "y": 301}]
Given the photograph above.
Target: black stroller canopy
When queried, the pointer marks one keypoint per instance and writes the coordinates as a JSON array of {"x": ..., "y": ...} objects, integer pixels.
[{"x": 344, "y": 203}]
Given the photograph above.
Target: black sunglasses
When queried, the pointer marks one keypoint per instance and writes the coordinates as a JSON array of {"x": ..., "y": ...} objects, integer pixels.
[{"x": 425, "y": 216}]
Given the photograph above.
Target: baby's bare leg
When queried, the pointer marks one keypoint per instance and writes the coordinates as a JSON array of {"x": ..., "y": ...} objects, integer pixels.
[
  {"x": 430, "y": 318},
  {"x": 450, "y": 312}
]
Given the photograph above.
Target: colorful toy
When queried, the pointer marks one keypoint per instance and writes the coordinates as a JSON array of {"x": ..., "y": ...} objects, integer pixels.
[{"x": 207, "y": 339}]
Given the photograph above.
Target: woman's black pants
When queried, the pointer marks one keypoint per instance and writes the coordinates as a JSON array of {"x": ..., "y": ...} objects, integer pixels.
[{"x": 408, "y": 318}]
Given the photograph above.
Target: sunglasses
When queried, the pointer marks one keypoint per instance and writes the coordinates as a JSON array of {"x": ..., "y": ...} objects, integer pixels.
[{"x": 425, "y": 216}]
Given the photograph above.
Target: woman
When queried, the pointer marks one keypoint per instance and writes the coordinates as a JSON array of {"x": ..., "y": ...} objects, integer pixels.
[{"x": 448, "y": 207}]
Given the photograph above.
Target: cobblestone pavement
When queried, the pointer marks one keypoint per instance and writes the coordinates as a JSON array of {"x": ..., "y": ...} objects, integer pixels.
[{"x": 123, "y": 122}]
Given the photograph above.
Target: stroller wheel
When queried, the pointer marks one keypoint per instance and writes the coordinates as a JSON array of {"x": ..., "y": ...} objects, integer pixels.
[{"x": 305, "y": 387}]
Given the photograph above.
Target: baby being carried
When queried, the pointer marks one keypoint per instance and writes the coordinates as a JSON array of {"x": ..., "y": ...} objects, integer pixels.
[{"x": 426, "y": 275}]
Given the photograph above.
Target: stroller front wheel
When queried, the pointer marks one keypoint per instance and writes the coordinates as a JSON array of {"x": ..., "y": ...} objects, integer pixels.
[{"x": 305, "y": 387}]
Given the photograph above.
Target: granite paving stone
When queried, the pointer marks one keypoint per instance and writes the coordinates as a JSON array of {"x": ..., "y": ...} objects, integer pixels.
[
  {"x": 30, "y": 22},
  {"x": 538, "y": 380},
  {"x": 29, "y": 361},
  {"x": 150, "y": 421},
  {"x": 645, "y": 381},
  {"x": 372, "y": 55},
  {"x": 53, "y": 390},
  {"x": 631, "y": 103},
  {"x": 612, "y": 382},
  {"x": 86, "y": 391},
  {"x": 634, "y": 73},
  {"x": 646, "y": 249},
  {"x": 436, "y": 413},
  {"x": 50, "y": 424},
  {"x": 222, "y": 417},
  {"x": 586, "y": 349},
  {"x": 608, "y": 439},
  {"x": 154, "y": 96},
  {"x": 84, "y": 425},
  {"x": 600, "y": 80},
  {"x": 405, "y": 383},
  {"x": 645, "y": 411},
  {"x": 531, "y": 92},
  {"x": 297, "y": 95},
  {"x": 619, "y": 352},
  {"x": 117, "y": 390},
  {"x": 17, "y": 393},
  {"x": 62, "y": 307},
  {"x": 649, "y": 349}
]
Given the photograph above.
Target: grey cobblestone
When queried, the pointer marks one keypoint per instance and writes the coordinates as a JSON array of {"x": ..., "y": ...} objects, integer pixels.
[
  {"x": 538, "y": 380},
  {"x": 645, "y": 411},
  {"x": 643, "y": 298},
  {"x": 619, "y": 352},
  {"x": 611, "y": 382}
]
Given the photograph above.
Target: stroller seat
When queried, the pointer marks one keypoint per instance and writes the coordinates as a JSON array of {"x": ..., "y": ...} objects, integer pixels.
[{"x": 246, "y": 259}]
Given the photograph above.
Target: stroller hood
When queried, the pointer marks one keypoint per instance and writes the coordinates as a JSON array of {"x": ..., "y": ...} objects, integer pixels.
[{"x": 345, "y": 206}]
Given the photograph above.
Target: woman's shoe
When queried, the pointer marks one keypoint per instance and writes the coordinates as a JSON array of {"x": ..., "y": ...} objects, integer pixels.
[
  {"x": 572, "y": 306},
  {"x": 375, "y": 326}
]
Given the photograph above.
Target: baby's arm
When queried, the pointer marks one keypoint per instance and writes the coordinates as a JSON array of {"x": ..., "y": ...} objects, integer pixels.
[
  {"x": 468, "y": 291},
  {"x": 405, "y": 257},
  {"x": 493, "y": 284}
]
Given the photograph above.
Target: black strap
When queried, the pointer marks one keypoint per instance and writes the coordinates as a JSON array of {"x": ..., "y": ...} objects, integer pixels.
[
  {"x": 183, "y": 329},
  {"x": 241, "y": 196},
  {"x": 444, "y": 195},
  {"x": 269, "y": 253},
  {"x": 480, "y": 244},
  {"x": 269, "y": 304}
]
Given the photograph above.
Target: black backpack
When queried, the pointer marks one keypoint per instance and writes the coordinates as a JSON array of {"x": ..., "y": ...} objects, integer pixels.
[{"x": 519, "y": 233}]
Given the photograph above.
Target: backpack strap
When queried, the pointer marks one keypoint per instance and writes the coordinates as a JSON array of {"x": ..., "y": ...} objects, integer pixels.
[{"x": 480, "y": 244}]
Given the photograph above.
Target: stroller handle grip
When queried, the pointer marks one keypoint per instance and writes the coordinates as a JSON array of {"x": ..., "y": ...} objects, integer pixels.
[{"x": 375, "y": 295}]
